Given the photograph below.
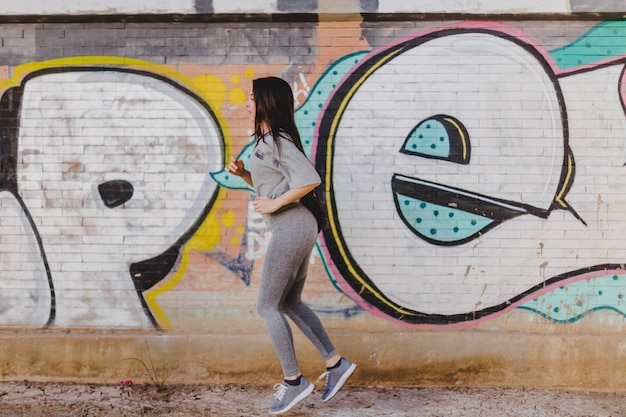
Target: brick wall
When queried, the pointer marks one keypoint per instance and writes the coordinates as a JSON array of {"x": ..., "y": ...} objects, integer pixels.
[{"x": 471, "y": 169}]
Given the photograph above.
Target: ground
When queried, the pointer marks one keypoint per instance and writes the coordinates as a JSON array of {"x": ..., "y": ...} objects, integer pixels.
[{"x": 26, "y": 398}]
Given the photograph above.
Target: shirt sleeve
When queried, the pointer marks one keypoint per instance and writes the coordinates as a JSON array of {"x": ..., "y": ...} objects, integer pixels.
[{"x": 296, "y": 167}]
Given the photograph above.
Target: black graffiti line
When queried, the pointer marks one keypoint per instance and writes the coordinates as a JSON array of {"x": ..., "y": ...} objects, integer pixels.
[{"x": 44, "y": 259}]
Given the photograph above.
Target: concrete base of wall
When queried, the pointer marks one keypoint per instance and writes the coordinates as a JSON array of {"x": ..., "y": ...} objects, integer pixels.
[{"x": 412, "y": 358}]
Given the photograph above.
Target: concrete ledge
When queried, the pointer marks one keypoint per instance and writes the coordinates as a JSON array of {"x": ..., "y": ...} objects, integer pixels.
[{"x": 462, "y": 358}]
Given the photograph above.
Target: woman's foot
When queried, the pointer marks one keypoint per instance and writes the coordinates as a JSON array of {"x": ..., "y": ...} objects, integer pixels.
[
  {"x": 288, "y": 395},
  {"x": 336, "y": 377}
]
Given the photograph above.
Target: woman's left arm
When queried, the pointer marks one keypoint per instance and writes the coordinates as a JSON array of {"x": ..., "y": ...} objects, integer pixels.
[{"x": 266, "y": 205}]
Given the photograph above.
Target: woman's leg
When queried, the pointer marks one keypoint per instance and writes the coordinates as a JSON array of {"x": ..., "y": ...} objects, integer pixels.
[
  {"x": 305, "y": 318},
  {"x": 291, "y": 243}
]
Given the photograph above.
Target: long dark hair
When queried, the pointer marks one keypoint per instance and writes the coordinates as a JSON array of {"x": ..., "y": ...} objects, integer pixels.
[{"x": 273, "y": 99}]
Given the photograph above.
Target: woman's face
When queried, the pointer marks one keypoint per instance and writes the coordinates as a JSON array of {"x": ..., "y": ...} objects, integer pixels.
[{"x": 251, "y": 106}]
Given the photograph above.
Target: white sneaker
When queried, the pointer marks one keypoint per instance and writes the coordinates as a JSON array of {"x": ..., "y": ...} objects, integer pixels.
[{"x": 288, "y": 396}]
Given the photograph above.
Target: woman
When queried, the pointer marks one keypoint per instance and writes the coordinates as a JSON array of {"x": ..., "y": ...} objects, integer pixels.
[{"x": 281, "y": 175}]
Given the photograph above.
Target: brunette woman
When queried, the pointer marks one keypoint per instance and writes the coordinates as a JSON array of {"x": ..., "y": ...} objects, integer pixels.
[{"x": 283, "y": 178}]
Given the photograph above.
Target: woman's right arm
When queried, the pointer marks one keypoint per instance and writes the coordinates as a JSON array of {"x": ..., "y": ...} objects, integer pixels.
[{"x": 237, "y": 168}]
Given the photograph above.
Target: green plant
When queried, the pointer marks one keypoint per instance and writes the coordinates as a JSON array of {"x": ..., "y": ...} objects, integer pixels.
[{"x": 158, "y": 373}]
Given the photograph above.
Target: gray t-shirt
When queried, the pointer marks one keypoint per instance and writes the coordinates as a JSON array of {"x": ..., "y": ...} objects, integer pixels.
[{"x": 275, "y": 171}]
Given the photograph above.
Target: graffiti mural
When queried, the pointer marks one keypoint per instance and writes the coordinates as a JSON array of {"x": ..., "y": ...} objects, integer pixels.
[
  {"x": 466, "y": 170},
  {"x": 477, "y": 148},
  {"x": 105, "y": 177}
]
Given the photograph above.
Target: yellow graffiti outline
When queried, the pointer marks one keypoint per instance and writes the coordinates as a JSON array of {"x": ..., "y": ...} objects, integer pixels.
[
  {"x": 23, "y": 70},
  {"x": 568, "y": 177},
  {"x": 331, "y": 220}
]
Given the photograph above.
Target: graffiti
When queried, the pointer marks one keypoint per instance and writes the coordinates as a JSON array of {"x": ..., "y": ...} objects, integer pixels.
[
  {"x": 467, "y": 171},
  {"x": 256, "y": 233},
  {"x": 104, "y": 179},
  {"x": 460, "y": 225},
  {"x": 297, "y": 91},
  {"x": 251, "y": 248},
  {"x": 567, "y": 304}
]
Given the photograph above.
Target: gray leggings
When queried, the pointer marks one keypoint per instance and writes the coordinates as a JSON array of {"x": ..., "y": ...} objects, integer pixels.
[{"x": 294, "y": 233}]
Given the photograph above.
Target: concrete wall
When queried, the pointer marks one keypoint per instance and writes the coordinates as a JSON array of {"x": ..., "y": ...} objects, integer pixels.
[{"x": 472, "y": 171}]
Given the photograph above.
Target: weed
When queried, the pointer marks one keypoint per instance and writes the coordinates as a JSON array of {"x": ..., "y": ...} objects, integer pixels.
[{"x": 158, "y": 373}]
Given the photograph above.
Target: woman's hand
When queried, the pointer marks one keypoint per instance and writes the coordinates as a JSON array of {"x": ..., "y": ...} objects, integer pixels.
[
  {"x": 265, "y": 205},
  {"x": 237, "y": 168}
]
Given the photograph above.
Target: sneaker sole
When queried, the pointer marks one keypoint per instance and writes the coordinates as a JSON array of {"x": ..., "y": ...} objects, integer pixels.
[
  {"x": 341, "y": 382},
  {"x": 295, "y": 401}
]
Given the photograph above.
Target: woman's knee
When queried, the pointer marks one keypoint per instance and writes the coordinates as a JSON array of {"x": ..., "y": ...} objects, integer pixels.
[{"x": 266, "y": 309}]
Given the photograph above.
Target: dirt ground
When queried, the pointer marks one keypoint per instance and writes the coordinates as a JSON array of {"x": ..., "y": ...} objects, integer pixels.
[{"x": 26, "y": 398}]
